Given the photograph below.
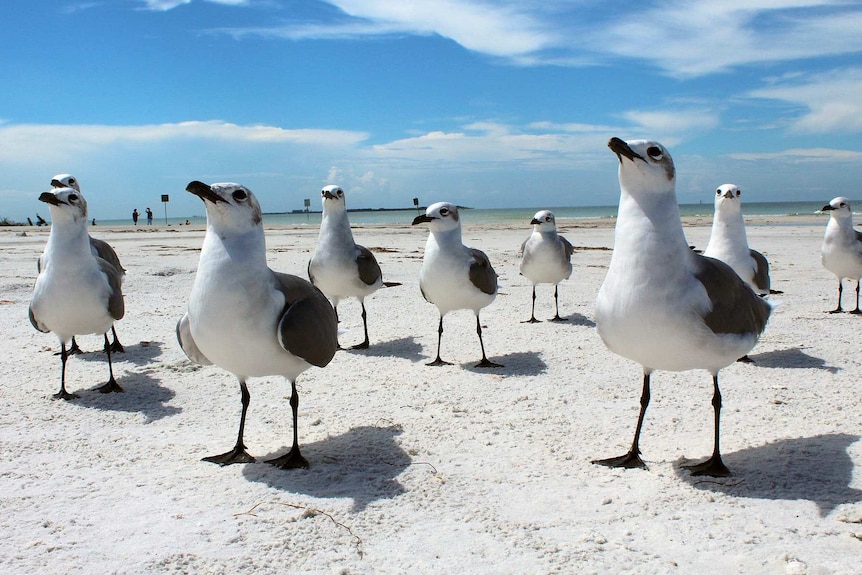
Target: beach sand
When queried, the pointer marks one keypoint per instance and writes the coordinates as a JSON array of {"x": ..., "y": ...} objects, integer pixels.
[{"x": 416, "y": 469}]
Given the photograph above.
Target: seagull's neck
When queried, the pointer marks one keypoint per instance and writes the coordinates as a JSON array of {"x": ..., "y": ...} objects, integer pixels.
[
  {"x": 445, "y": 239},
  {"x": 649, "y": 225},
  {"x": 728, "y": 229},
  {"x": 68, "y": 239},
  {"x": 246, "y": 249},
  {"x": 334, "y": 226},
  {"x": 841, "y": 225}
]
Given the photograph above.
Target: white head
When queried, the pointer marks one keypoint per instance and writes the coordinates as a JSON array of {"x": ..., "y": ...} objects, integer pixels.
[
  {"x": 544, "y": 221},
  {"x": 646, "y": 167},
  {"x": 65, "y": 181},
  {"x": 231, "y": 208},
  {"x": 67, "y": 205},
  {"x": 333, "y": 199},
  {"x": 728, "y": 199},
  {"x": 839, "y": 208},
  {"x": 441, "y": 217}
]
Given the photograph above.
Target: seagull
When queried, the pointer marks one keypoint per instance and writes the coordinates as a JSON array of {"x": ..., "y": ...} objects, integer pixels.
[
  {"x": 454, "y": 276},
  {"x": 841, "y": 250},
  {"x": 248, "y": 319},
  {"x": 100, "y": 249},
  {"x": 662, "y": 304},
  {"x": 340, "y": 267},
  {"x": 728, "y": 243},
  {"x": 546, "y": 257},
  {"x": 76, "y": 292}
]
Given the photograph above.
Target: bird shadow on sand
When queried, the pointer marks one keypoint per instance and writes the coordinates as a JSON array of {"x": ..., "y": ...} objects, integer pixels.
[
  {"x": 792, "y": 357},
  {"x": 578, "y": 319},
  {"x": 513, "y": 364},
  {"x": 141, "y": 394},
  {"x": 139, "y": 353},
  {"x": 404, "y": 347},
  {"x": 362, "y": 464},
  {"x": 816, "y": 469}
]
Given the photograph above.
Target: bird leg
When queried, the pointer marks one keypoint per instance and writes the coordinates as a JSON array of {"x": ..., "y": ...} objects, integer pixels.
[
  {"x": 293, "y": 459},
  {"x": 532, "y": 309},
  {"x": 63, "y": 394},
  {"x": 557, "y": 304},
  {"x": 484, "y": 362},
  {"x": 337, "y": 321},
  {"x": 116, "y": 346},
  {"x": 439, "y": 361},
  {"x": 238, "y": 454},
  {"x": 364, "y": 344},
  {"x": 632, "y": 459},
  {"x": 73, "y": 349},
  {"x": 713, "y": 466},
  {"x": 857, "y": 311},
  {"x": 840, "y": 290},
  {"x": 112, "y": 384}
]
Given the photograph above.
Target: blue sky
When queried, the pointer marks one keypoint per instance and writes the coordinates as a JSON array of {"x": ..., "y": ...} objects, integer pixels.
[{"x": 487, "y": 104}]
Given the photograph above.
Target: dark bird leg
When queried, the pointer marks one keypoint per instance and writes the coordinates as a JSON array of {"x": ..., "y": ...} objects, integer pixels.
[
  {"x": 532, "y": 309},
  {"x": 484, "y": 362},
  {"x": 238, "y": 454},
  {"x": 116, "y": 346},
  {"x": 63, "y": 394},
  {"x": 840, "y": 290},
  {"x": 632, "y": 458},
  {"x": 364, "y": 344},
  {"x": 337, "y": 321},
  {"x": 713, "y": 466},
  {"x": 112, "y": 384},
  {"x": 557, "y": 304},
  {"x": 293, "y": 459},
  {"x": 73, "y": 349},
  {"x": 857, "y": 311},
  {"x": 439, "y": 361}
]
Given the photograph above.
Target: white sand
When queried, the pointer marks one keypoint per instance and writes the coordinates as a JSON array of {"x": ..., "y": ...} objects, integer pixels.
[{"x": 417, "y": 469}]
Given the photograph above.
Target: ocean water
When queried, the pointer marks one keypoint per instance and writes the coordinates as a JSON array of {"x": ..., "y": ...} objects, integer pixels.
[{"x": 514, "y": 216}]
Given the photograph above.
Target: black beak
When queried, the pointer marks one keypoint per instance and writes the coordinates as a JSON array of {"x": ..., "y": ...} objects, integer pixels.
[
  {"x": 422, "y": 219},
  {"x": 621, "y": 148},
  {"x": 57, "y": 184},
  {"x": 50, "y": 198},
  {"x": 825, "y": 208},
  {"x": 329, "y": 195},
  {"x": 535, "y": 221},
  {"x": 204, "y": 192},
  {"x": 728, "y": 194}
]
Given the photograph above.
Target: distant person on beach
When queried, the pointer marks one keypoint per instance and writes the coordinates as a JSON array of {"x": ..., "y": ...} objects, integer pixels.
[
  {"x": 187, "y": 222},
  {"x": 135, "y": 216},
  {"x": 149, "y": 217},
  {"x": 94, "y": 221}
]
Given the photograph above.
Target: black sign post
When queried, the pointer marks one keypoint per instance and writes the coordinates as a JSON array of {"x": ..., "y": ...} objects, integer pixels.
[
  {"x": 416, "y": 203},
  {"x": 165, "y": 200},
  {"x": 307, "y": 206}
]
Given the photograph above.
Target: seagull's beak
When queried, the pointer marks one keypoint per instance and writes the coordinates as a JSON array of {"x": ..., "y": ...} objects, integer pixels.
[
  {"x": 329, "y": 195},
  {"x": 50, "y": 198},
  {"x": 728, "y": 194},
  {"x": 826, "y": 208},
  {"x": 422, "y": 219},
  {"x": 204, "y": 192},
  {"x": 621, "y": 148},
  {"x": 57, "y": 184},
  {"x": 534, "y": 221}
]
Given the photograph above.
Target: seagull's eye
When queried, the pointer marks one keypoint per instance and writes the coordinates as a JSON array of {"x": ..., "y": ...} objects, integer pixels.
[
  {"x": 718, "y": 192},
  {"x": 340, "y": 193},
  {"x": 654, "y": 152},
  {"x": 548, "y": 219},
  {"x": 738, "y": 193},
  {"x": 240, "y": 195},
  {"x": 71, "y": 181},
  {"x": 74, "y": 197},
  {"x": 841, "y": 205},
  {"x": 445, "y": 211}
]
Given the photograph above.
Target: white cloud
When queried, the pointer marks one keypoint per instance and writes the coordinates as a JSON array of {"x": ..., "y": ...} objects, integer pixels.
[
  {"x": 671, "y": 125},
  {"x": 831, "y": 100},
  {"x": 802, "y": 155}
]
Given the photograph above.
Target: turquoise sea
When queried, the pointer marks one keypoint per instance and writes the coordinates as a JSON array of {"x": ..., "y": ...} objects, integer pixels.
[{"x": 514, "y": 216}]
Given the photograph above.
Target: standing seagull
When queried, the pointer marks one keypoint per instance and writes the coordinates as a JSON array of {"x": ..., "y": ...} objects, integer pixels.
[
  {"x": 454, "y": 276},
  {"x": 728, "y": 243},
  {"x": 340, "y": 267},
  {"x": 546, "y": 258},
  {"x": 663, "y": 305},
  {"x": 100, "y": 249},
  {"x": 76, "y": 292},
  {"x": 841, "y": 250},
  {"x": 248, "y": 319}
]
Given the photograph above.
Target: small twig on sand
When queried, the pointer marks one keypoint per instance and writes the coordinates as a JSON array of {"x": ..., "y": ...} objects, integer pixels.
[{"x": 308, "y": 510}]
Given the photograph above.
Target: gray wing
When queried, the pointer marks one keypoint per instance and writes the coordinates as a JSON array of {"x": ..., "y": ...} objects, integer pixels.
[
  {"x": 187, "y": 342},
  {"x": 523, "y": 245},
  {"x": 569, "y": 248},
  {"x": 310, "y": 275},
  {"x": 736, "y": 308},
  {"x": 482, "y": 275},
  {"x": 103, "y": 250},
  {"x": 116, "y": 305},
  {"x": 308, "y": 327},
  {"x": 35, "y": 321},
  {"x": 369, "y": 270},
  {"x": 761, "y": 274},
  {"x": 858, "y": 239}
]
